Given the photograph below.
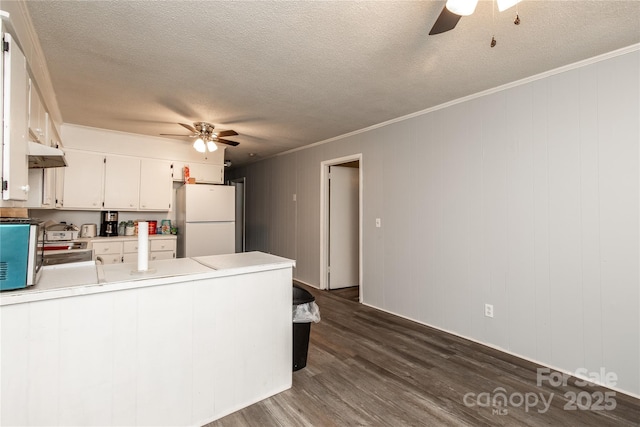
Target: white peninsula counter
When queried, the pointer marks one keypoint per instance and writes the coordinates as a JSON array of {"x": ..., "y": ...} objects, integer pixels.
[{"x": 190, "y": 342}]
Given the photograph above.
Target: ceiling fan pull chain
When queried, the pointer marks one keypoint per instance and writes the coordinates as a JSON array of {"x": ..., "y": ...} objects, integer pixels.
[{"x": 493, "y": 23}]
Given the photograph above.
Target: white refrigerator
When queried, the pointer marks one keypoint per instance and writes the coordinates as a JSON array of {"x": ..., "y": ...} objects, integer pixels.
[{"x": 206, "y": 220}]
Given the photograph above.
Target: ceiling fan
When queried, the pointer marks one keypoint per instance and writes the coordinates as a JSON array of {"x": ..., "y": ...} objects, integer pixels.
[
  {"x": 453, "y": 10},
  {"x": 207, "y": 136}
]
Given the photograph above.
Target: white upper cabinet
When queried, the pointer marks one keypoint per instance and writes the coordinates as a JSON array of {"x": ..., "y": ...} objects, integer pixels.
[
  {"x": 155, "y": 185},
  {"x": 41, "y": 188},
  {"x": 121, "y": 183},
  {"x": 206, "y": 173},
  {"x": 15, "y": 87},
  {"x": 102, "y": 181},
  {"x": 83, "y": 180},
  {"x": 38, "y": 116}
]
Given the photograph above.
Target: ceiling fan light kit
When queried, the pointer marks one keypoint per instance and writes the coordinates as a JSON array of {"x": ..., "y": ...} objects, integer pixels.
[
  {"x": 506, "y": 4},
  {"x": 453, "y": 10},
  {"x": 199, "y": 145},
  {"x": 206, "y": 136},
  {"x": 211, "y": 146},
  {"x": 462, "y": 7}
]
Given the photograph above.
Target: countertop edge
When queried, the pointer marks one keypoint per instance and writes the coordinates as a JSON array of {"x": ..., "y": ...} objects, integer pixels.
[{"x": 34, "y": 295}]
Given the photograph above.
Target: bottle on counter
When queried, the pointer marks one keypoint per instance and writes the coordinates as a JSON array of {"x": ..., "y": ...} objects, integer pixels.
[
  {"x": 129, "y": 229},
  {"x": 122, "y": 228},
  {"x": 165, "y": 226}
]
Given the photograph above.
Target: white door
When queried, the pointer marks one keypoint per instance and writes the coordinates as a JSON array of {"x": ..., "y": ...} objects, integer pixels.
[{"x": 343, "y": 227}]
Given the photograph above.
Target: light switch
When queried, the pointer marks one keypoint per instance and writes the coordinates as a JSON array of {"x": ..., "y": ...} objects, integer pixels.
[
  {"x": 378, "y": 223},
  {"x": 294, "y": 197}
]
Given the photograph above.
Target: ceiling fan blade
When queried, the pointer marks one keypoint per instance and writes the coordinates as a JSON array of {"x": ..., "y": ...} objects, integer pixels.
[
  {"x": 225, "y": 133},
  {"x": 226, "y": 141},
  {"x": 175, "y": 134},
  {"x": 446, "y": 21},
  {"x": 191, "y": 128}
]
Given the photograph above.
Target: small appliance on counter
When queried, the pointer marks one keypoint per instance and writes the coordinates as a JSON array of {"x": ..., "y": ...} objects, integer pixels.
[
  {"x": 60, "y": 245},
  {"x": 109, "y": 223},
  {"x": 21, "y": 257},
  {"x": 88, "y": 230},
  {"x": 60, "y": 232}
]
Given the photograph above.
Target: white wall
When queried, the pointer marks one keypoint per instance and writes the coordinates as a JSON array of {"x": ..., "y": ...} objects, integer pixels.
[{"x": 525, "y": 198}]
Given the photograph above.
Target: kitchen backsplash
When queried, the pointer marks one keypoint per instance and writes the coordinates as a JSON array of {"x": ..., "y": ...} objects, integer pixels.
[{"x": 93, "y": 217}]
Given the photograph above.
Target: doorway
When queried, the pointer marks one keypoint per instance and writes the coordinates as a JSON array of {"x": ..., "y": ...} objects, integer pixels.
[
  {"x": 341, "y": 224},
  {"x": 239, "y": 184}
]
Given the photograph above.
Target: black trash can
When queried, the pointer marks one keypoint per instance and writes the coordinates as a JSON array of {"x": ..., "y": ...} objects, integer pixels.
[{"x": 301, "y": 330}]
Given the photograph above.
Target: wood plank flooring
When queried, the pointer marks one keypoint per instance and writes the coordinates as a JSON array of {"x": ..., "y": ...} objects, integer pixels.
[{"x": 370, "y": 368}]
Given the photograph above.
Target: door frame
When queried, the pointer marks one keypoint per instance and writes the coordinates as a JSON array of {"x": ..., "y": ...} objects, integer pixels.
[
  {"x": 242, "y": 181},
  {"x": 324, "y": 217}
]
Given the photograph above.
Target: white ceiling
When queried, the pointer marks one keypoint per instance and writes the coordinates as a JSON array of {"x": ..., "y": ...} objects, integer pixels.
[{"x": 290, "y": 73}]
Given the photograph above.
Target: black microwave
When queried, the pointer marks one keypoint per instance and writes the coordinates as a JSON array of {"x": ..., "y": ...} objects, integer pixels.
[{"x": 21, "y": 253}]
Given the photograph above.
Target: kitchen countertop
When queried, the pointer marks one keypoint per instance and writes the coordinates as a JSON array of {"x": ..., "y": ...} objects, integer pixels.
[
  {"x": 123, "y": 238},
  {"x": 83, "y": 278},
  {"x": 247, "y": 261}
]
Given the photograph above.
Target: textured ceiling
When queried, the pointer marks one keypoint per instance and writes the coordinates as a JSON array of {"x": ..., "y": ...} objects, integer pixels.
[{"x": 290, "y": 73}]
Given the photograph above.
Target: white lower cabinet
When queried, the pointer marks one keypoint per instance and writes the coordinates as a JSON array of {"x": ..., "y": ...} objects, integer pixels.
[
  {"x": 130, "y": 251},
  {"x": 162, "y": 249},
  {"x": 107, "y": 252},
  {"x": 125, "y": 249}
]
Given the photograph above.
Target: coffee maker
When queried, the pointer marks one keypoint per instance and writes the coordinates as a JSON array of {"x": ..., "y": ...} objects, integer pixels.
[{"x": 109, "y": 223}]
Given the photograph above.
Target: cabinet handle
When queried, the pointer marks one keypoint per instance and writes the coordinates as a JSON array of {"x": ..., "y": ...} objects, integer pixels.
[{"x": 25, "y": 188}]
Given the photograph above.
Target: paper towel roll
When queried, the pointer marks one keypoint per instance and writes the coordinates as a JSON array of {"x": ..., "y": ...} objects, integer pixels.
[{"x": 143, "y": 246}]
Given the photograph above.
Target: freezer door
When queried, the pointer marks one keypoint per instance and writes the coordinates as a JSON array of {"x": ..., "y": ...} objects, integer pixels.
[
  {"x": 209, "y": 238},
  {"x": 210, "y": 203}
]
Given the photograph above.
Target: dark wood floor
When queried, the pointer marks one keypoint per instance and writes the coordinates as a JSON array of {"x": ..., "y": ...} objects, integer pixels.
[{"x": 370, "y": 368}]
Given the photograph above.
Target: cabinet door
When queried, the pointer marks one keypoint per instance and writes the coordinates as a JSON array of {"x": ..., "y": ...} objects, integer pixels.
[
  {"x": 15, "y": 175},
  {"x": 36, "y": 188},
  {"x": 155, "y": 256},
  {"x": 41, "y": 188},
  {"x": 156, "y": 185},
  {"x": 121, "y": 183},
  {"x": 59, "y": 186},
  {"x": 37, "y": 115},
  {"x": 159, "y": 245},
  {"x": 107, "y": 252},
  {"x": 206, "y": 173},
  {"x": 49, "y": 188},
  {"x": 83, "y": 180}
]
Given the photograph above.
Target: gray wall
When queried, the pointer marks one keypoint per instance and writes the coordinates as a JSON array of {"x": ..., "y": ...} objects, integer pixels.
[{"x": 525, "y": 198}]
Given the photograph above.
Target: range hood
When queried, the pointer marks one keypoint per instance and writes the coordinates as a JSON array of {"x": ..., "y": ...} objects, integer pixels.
[{"x": 42, "y": 156}]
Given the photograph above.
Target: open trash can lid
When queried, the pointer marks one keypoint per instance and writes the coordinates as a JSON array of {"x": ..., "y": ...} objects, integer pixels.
[{"x": 301, "y": 296}]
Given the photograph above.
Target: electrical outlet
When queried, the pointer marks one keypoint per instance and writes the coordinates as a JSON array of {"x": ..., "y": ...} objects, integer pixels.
[
  {"x": 488, "y": 310},
  {"x": 295, "y": 197},
  {"x": 378, "y": 223}
]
